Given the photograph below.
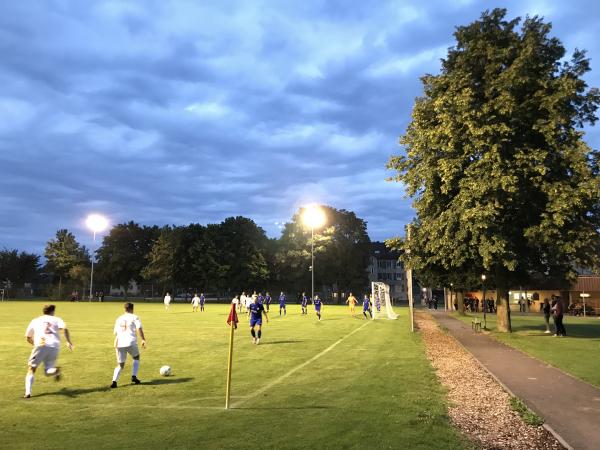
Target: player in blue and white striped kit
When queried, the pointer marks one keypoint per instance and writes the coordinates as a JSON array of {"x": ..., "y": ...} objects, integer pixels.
[{"x": 282, "y": 304}]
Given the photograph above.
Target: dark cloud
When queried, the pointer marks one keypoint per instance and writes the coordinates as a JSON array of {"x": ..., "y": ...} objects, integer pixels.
[{"x": 185, "y": 112}]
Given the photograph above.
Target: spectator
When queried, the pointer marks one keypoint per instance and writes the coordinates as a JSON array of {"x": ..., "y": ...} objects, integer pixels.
[
  {"x": 546, "y": 310},
  {"x": 557, "y": 314}
]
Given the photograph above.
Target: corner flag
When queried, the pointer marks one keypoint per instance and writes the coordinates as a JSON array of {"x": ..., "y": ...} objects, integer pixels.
[{"x": 232, "y": 316}]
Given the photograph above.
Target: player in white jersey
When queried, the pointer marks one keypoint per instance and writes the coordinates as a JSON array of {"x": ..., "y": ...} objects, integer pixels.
[
  {"x": 167, "y": 301},
  {"x": 242, "y": 301},
  {"x": 195, "y": 303},
  {"x": 44, "y": 334},
  {"x": 126, "y": 330}
]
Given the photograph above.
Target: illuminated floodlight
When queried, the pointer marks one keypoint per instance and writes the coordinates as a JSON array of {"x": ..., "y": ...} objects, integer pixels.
[
  {"x": 313, "y": 216},
  {"x": 96, "y": 223}
]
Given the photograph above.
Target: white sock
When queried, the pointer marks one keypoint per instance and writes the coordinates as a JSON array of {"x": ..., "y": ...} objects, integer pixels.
[
  {"x": 136, "y": 367},
  {"x": 28, "y": 383},
  {"x": 116, "y": 373}
]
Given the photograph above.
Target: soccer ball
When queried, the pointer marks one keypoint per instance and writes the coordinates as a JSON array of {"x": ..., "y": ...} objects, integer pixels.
[{"x": 165, "y": 371}]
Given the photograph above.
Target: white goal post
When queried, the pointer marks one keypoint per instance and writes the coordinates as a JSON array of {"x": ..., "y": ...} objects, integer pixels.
[{"x": 382, "y": 304}]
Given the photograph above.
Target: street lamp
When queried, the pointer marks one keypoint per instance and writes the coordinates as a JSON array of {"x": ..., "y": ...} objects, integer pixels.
[
  {"x": 314, "y": 217},
  {"x": 451, "y": 297},
  {"x": 484, "y": 302},
  {"x": 96, "y": 223},
  {"x": 583, "y": 296}
]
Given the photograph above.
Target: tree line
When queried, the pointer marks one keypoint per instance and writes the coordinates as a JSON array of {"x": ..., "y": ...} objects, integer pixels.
[{"x": 224, "y": 258}]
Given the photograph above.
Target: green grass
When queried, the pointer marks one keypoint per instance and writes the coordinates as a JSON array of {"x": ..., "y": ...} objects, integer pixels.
[
  {"x": 577, "y": 354},
  {"x": 528, "y": 416},
  {"x": 374, "y": 389}
]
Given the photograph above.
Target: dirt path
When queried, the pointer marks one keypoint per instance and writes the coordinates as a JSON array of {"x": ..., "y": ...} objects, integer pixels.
[{"x": 479, "y": 406}]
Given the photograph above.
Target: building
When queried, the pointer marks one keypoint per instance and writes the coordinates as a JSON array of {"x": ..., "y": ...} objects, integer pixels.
[{"x": 385, "y": 266}]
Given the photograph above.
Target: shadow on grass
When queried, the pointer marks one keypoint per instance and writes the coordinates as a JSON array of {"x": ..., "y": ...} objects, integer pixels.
[
  {"x": 274, "y": 408},
  {"x": 279, "y": 342},
  {"x": 166, "y": 380}
]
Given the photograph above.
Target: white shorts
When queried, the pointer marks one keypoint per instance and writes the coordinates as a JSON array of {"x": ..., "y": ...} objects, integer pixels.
[
  {"x": 195, "y": 303},
  {"x": 122, "y": 353},
  {"x": 43, "y": 354}
]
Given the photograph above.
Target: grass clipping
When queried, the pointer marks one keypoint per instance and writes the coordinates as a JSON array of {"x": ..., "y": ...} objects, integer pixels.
[{"x": 479, "y": 407}]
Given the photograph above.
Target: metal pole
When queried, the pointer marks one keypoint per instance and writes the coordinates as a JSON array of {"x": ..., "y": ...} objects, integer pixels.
[
  {"x": 92, "y": 272},
  {"x": 229, "y": 364},
  {"x": 312, "y": 262},
  {"x": 484, "y": 308}
]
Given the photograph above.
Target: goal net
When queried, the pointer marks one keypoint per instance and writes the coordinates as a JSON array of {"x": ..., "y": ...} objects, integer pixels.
[{"x": 382, "y": 305}]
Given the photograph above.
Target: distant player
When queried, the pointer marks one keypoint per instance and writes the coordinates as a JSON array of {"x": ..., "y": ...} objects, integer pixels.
[
  {"x": 267, "y": 300},
  {"x": 282, "y": 304},
  {"x": 202, "y": 301},
  {"x": 127, "y": 327},
  {"x": 236, "y": 302},
  {"x": 367, "y": 306},
  {"x": 256, "y": 312},
  {"x": 44, "y": 334},
  {"x": 249, "y": 301},
  {"x": 195, "y": 303},
  {"x": 318, "y": 304},
  {"x": 261, "y": 299},
  {"x": 304, "y": 303},
  {"x": 352, "y": 301},
  {"x": 242, "y": 303},
  {"x": 167, "y": 301}
]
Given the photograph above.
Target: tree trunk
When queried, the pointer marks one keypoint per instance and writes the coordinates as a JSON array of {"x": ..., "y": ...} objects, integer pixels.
[
  {"x": 503, "y": 310},
  {"x": 59, "y": 286},
  {"x": 460, "y": 299}
]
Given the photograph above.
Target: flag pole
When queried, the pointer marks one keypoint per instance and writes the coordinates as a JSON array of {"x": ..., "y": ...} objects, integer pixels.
[{"x": 232, "y": 325}]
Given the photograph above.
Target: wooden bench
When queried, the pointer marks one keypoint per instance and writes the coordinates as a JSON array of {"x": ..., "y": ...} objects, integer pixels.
[{"x": 476, "y": 324}]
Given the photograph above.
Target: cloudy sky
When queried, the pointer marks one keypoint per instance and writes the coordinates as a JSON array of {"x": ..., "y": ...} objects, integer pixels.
[{"x": 192, "y": 111}]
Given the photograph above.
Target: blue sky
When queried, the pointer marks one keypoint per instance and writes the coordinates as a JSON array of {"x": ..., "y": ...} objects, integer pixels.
[{"x": 187, "y": 111}]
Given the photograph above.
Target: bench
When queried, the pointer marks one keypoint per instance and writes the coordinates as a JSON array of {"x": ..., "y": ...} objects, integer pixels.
[{"x": 476, "y": 324}]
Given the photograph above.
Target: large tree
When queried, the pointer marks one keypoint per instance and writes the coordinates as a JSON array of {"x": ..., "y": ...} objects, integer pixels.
[
  {"x": 502, "y": 180},
  {"x": 63, "y": 253},
  {"x": 18, "y": 267}
]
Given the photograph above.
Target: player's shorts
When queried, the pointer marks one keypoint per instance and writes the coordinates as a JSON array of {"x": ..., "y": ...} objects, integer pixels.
[
  {"x": 122, "y": 352},
  {"x": 317, "y": 308},
  {"x": 45, "y": 355},
  {"x": 195, "y": 304},
  {"x": 254, "y": 322},
  {"x": 282, "y": 306}
]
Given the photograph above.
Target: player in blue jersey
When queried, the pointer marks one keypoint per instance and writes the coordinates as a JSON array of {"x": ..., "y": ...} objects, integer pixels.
[
  {"x": 202, "y": 301},
  {"x": 267, "y": 300},
  {"x": 367, "y": 306},
  {"x": 282, "y": 304},
  {"x": 256, "y": 311},
  {"x": 318, "y": 304},
  {"x": 261, "y": 299},
  {"x": 304, "y": 303}
]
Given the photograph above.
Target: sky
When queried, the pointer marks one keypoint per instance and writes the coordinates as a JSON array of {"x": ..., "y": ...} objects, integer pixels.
[{"x": 178, "y": 112}]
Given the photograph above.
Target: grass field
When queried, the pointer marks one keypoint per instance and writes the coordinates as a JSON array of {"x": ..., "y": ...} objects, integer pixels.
[
  {"x": 577, "y": 354},
  {"x": 340, "y": 383}
]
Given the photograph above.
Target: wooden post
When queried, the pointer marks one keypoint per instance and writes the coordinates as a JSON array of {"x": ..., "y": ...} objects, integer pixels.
[{"x": 229, "y": 365}]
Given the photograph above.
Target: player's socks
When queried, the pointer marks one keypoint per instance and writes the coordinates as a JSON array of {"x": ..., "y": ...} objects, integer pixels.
[
  {"x": 135, "y": 368},
  {"x": 259, "y": 334},
  {"x": 252, "y": 332},
  {"x": 116, "y": 374},
  {"x": 28, "y": 384}
]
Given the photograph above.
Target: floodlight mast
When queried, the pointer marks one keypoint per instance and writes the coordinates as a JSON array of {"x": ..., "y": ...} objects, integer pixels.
[
  {"x": 96, "y": 223},
  {"x": 314, "y": 217}
]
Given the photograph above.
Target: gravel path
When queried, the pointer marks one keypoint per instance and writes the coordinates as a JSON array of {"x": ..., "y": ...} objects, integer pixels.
[{"x": 478, "y": 405}]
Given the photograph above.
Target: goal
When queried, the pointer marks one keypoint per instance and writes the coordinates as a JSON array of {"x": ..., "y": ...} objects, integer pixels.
[{"x": 382, "y": 305}]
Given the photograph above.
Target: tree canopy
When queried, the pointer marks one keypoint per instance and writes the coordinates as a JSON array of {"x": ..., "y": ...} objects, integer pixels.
[{"x": 495, "y": 161}]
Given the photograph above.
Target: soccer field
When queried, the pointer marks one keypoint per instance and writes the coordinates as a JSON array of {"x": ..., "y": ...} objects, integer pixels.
[{"x": 342, "y": 382}]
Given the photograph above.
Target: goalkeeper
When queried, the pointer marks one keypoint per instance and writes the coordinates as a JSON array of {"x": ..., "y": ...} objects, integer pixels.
[
  {"x": 352, "y": 301},
  {"x": 367, "y": 307}
]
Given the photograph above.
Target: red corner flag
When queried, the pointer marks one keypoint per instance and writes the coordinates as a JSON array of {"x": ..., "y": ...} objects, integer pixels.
[{"x": 232, "y": 317}]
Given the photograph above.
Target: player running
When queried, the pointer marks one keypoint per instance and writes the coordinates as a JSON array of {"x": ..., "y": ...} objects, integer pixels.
[
  {"x": 195, "y": 303},
  {"x": 318, "y": 304},
  {"x": 304, "y": 303},
  {"x": 267, "y": 300},
  {"x": 127, "y": 327},
  {"x": 167, "y": 301},
  {"x": 352, "y": 301},
  {"x": 44, "y": 334},
  {"x": 367, "y": 306},
  {"x": 261, "y": 299},
  {"x": 202, "y": 301},
  {"x": 282, "y": 304},
  {"x": 242, "y": 301},
  {"x": 256, "y": 312}
]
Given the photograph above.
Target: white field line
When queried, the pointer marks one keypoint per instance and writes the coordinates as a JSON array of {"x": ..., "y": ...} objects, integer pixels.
[{"x": 297, "y": 368}]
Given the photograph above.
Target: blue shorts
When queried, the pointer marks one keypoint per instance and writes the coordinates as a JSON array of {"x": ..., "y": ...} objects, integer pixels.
[
  {"x": 254, "y": 322},
  {"x": 317, "y": 308},
  {"x": 282, "y": 306}
]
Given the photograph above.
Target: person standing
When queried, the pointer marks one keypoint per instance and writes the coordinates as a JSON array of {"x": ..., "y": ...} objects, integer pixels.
[
  {"x": 367, "y": 306},
  {"x": 304, "y": 303},
  {"x": 351, "y": 300},
  {"x": 318, "y": 304},
  {"x": 256, "y": 312},
  {"x": 558, "y": 313},
  {"x": 127, "y": 327},
  {"x": 167, "y": 301},
  {"x": 202, "y": 301},
  {"x": 242, "y": 302},
  {"x": 546, "y": 311},
  {"x": 282, "y": 304},
  {"x": 268, "y": 300},
  {"x": 236, "y": 302},
  {"x": 195, "y": 303},
  {"x": 43, "y": 333}
]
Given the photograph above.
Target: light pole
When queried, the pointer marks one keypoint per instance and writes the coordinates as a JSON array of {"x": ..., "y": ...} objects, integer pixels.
[
  {"x": 451, "y": 297},
  {"x": 484, "y": 302},
  {"x": 96, "y": 223},
  {"x": 314, "y": 217},
  {"x": 583, "y": 296},
  {"x": 424, "y": 298}
]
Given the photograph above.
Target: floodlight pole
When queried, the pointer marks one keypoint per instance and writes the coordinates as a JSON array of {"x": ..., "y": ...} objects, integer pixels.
[
  {"x": 92, "y": 272},
  {"x": 312, "y": 262}
]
